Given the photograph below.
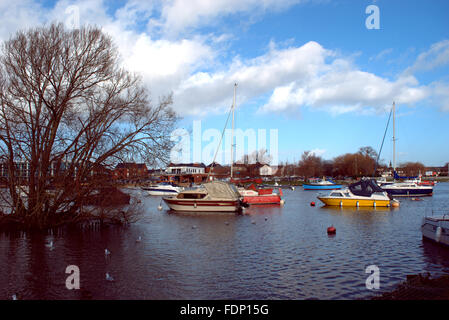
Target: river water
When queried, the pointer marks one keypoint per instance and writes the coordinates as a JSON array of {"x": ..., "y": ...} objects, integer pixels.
[{"x": 267, "y": 253}]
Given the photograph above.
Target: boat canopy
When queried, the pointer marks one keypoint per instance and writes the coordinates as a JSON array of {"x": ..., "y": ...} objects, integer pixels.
[
  {"x": 396, "y": 176},
  {"x": 221, "y": 190},
  {"x": 365, "y": 187}
]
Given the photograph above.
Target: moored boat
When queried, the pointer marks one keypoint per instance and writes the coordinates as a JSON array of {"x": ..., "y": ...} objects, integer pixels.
[
  {"x": 411, "y": 185},
  {"x": 215, "y": 196},
  {"x": 365, "y": 193},
  {"x": 162, "y": 189},
  {"x": 436, "y": 228},
  {"x": 321, "y": 184},
  {"x": 408, "y": 189},
  {"x": 255, "y": 196}
]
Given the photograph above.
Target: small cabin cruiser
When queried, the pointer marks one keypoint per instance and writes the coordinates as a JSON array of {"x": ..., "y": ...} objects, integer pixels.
[
  {"x": 215, "y": 196},
  {"x": 162, "y": 189},
  {"x": 365, "y": 193},
  {"x": 321, "y": 184},
  {"x": 256, "y": 196}
]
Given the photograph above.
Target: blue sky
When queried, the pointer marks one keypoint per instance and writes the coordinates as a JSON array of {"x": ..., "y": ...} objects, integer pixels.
[{"x": 309, "y": 69}]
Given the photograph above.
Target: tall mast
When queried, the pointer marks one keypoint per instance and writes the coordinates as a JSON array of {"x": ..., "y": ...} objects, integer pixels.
[
  {"x": 232, "y": 132},
  {"x": 394, "y": 140}
]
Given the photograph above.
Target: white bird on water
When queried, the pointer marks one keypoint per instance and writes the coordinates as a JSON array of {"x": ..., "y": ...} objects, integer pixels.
[
  {"x": 109, "y": 277},
  {"x": 50, "y": 245},
  {"x": 139, "y": 239},
  {"x": 107, "y": 252}
]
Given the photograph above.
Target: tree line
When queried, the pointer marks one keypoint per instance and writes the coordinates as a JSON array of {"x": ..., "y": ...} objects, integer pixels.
[{"x": 363, "y": 163}]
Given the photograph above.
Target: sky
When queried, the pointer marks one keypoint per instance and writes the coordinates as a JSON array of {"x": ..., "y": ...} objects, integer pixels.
[{"x": 312, "y": 75}]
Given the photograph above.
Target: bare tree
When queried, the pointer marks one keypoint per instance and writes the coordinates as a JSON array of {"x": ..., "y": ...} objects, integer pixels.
[
  {"x": 69, "y": 112},
  {"x": 257, "y": 156},
  {"x": 310, "y": 165},
  {"x": 412, "y": 168}
]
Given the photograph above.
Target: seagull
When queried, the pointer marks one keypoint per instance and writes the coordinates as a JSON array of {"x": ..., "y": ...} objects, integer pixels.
[
  {"x": 50, "y": 245},
  {"x": 14, "y": 297},
  {"x": 109, "y": 277},
  {"x": 107, "y": 252},
  {"x": 139, "y": 239}
]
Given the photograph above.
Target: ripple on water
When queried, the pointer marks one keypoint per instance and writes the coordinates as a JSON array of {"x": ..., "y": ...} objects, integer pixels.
[{"x": 285, "y": 254}]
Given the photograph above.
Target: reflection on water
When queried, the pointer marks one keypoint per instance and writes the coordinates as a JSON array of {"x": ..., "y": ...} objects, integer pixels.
[{"x": 269, "y": 252}]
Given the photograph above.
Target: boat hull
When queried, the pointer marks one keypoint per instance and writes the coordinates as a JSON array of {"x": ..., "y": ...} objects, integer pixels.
[
  {"x": 354, "y": 202},
  {"x": 161, "y": 192},
  {"x": 408, "y": 192},
  {"x": 188, "y": 205},
  {"x": 430, "y": 231},
  {"x": 321, "y": 187},
  {"x": 262, "y": 199}
]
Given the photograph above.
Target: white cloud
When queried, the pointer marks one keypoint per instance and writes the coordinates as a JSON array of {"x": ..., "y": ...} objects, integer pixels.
[
  {"x": 291, "y": 77},
  {"x": 208, "y": 92},
  {"x": 342, "y": 88},
  {"x": 18, "y": 15},
  {"x": 181, "y": 15},
  {"x": 381, "y": 55},
  {"x": 436, "y": 56},
  {"x": 440, "y": 95},
  {"x": 318, "y": 152}
]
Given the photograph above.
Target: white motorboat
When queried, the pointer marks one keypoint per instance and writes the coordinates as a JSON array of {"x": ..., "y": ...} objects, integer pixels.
[
  {"x": 436, "y": 228},
  {"x": 162, "y": 189}
]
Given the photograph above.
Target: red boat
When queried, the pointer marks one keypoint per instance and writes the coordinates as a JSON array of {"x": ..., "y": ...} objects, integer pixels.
[
  {"x": 426, "y": 183},
  {"x": 252, "y": 195}
]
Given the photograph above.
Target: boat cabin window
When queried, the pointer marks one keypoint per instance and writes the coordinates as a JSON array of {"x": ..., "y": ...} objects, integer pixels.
[
  {"x": 337, "y": 194},
  {"x": 191, "y": 195}
]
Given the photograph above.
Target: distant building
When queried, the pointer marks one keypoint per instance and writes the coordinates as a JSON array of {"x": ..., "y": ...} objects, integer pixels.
[
  {"x": 130, "y": 171},
  {"x": 185, "y": 173},
  {"x": 56, "y": 171},
  {"x": 186, "y": 168},
  {"x": 266, "y": 170},
  {"x": 218, "y": 171}
]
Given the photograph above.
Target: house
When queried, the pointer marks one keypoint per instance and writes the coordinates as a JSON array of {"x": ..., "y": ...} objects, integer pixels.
[
  {"x": 186, "y": 168},
  {"x": 266, "y": 170},
  {"x": 185, "y": 173},
  {"x": 130, "y": 171},
  {"x": 218, "y": 171}
]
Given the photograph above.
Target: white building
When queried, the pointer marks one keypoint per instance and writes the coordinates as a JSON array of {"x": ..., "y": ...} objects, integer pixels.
[
  {"x": 266, "y": 170},
  {"x": 185, "y": 168}
]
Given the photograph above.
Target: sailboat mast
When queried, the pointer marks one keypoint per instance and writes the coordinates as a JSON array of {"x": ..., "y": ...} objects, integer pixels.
[
  {"x": 232, "y": 132},
  {"x": 394, "y": 139}
]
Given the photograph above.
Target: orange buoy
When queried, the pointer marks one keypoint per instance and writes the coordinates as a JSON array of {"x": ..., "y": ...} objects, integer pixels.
[
  {"x": 312, "y": 204},
  {"x": 394, "y": 203},
  {"x": 331, "y": 230}
]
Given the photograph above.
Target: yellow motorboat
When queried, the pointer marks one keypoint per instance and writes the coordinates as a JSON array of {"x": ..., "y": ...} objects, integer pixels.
[{"x": 365, "y": 193}]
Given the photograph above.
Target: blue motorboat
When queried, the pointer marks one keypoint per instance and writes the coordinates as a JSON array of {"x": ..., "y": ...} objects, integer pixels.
[{"x": 321, "y": 184}]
